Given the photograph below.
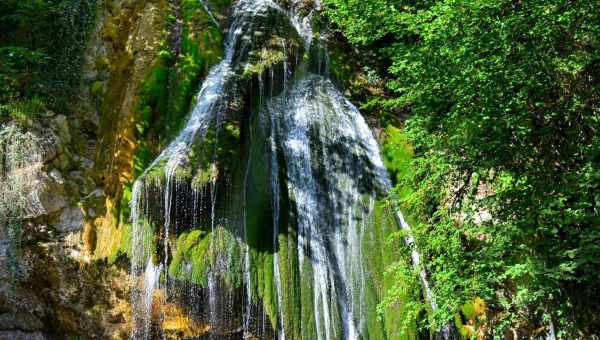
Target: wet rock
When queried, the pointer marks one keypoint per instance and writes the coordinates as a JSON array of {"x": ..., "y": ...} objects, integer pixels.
[{"x": 70, "y": 220}]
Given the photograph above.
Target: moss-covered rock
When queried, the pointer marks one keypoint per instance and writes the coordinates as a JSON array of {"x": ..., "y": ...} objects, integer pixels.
[{"x": 146, "y": 98}]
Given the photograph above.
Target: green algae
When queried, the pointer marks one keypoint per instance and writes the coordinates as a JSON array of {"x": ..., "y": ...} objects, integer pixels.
[{"x": 192, "y": 257}]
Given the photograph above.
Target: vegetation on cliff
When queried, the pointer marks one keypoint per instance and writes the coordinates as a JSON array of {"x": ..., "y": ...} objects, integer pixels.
[
  {"x": 498, "y": 162},
  {"x": 41, "y": 53},
  {"x": 190, "y": 43}
]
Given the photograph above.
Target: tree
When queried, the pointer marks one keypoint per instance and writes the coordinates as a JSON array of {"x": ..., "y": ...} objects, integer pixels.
[{"x": 504, "y": 100}]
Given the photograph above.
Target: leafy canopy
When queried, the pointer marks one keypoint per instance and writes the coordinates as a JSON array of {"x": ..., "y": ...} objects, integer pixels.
[{"x": 505, "y": 120}]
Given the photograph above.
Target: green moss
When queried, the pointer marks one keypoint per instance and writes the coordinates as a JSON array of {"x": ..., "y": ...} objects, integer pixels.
[
  {"x": 196, "y": 252},
  {"x": 269, "y": 290},
  {"x": 379, "y": 254},
  {"x": 166, "y": 94},
  {"x": 399, "y": 319},
  {"x": 289, "y": 271},
  {"x": 263, "y": 286},
  {"x": 97, "y": 88},
  {"x": 397, "y": 152},
  {"x": 123, "y": 245},
  {"x": 307, "y": 315},
  {"x": 218, "y": 148},
  {"x": 262, "y": 61},
  {"x": 192, "y": 257}
]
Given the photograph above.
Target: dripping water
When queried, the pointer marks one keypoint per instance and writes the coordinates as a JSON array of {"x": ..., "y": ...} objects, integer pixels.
[
  {"x": 206, "y": 110},
  {"x": 309, "y": 122}
]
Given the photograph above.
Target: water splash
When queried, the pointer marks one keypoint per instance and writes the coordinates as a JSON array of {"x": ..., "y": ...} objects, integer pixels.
[{"x": 151, "y": 281}]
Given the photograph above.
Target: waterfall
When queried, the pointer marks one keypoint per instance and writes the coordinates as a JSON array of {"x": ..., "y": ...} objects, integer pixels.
[
  {"x": 207, "y": 109},
  {"x": 275, "y": 192},
  {"x": 323, "y": 178},
  {"x": 333, "y": 166}
]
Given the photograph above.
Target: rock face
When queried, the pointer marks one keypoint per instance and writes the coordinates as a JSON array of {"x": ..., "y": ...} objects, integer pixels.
[
  {"x": 58, "y": 296},
  {"x": 55, "y": 282},
  {"x": 71, "y": 220},
  {"x": 46, "y": 197},
  {"x": 48, "y": 289},
  {"x": 69, "y": 278}
]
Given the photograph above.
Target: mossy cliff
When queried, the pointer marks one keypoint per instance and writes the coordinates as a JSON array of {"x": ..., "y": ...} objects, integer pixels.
[
  {"x": 143, "y": 64},
  {"x": 148, "y": 62},
  {"x": 112, "y": 90},
  {"x": 226, "y": 233}
]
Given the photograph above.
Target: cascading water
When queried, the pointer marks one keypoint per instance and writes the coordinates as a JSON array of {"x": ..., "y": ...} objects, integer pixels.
[
  {"x": 333, "y": 169},
  {"x": 308, "y": 178},
  {"x": 207, "y": 108}
]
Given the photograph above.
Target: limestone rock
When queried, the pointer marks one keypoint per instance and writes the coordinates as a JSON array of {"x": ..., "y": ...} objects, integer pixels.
[
  {"x": 61, "y": 126},
  {"x": 71, "y": 220},
  {"x": 46, "y": 196},
  {"x": 50, "y": 146}
]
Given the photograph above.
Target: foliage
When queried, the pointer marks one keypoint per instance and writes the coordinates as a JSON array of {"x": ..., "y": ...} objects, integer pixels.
[
  {"x": 41, "y": 48},
  {"x": 20, "y": 161},
  {"x": 22, "y": 110},
  {"x": 504, "y": 101},
  {"x": 167, "y": 93},
  {"x": 19, "y": 66}
]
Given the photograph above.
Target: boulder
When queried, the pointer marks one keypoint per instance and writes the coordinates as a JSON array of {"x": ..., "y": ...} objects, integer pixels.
[
  {"x": 46, "y": 196},
  {"x": 70, "y": 220}
]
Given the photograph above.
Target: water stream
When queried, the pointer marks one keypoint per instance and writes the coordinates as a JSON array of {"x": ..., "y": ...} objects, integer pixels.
[{"x": 324, "y": 176}]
